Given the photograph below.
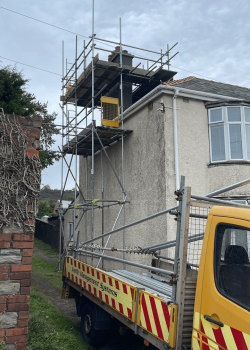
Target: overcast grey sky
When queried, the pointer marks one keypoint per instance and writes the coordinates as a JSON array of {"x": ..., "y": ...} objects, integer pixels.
[{"x": 213, "y": 37}]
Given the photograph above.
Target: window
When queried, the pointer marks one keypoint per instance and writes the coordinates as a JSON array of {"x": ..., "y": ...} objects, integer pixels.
[
  {"x": 229, "y": 132},
  {"x": 231, "y": 265}
]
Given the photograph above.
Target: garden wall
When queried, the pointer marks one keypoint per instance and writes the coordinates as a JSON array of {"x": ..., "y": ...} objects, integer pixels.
[{"x": 20, "y": 176}]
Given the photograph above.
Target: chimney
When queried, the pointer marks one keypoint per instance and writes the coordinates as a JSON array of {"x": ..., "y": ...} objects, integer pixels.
[{"x": 127, "y": 60}]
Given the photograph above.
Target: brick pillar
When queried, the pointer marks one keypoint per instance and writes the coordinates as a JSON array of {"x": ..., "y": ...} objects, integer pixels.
[{"x": 17, "y": 226}]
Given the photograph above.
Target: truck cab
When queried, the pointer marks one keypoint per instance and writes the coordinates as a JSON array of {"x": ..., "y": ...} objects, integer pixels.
[{"x": 222, "y": 302}]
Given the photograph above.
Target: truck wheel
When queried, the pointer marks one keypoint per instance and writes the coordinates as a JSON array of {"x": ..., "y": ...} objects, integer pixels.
[{"x": 89, "y": 333}]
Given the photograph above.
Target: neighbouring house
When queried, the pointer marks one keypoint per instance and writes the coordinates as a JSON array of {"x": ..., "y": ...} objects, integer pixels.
[
  {"x": 193, "y": 127},
  {"x": 64, "y": 206}
]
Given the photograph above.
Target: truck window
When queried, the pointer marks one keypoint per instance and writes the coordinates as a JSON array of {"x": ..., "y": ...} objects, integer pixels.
[{"x": 231, "y": 263}]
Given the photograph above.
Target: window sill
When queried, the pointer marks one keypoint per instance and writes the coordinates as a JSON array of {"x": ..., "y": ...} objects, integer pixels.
[{"x": 228, "y": 163}]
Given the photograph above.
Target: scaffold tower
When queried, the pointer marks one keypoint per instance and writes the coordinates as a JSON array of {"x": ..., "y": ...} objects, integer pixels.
[{"x": 93, "y": 88}]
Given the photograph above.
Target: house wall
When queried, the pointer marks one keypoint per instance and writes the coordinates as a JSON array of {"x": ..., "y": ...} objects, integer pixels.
[{"x": 149, "y": 172}]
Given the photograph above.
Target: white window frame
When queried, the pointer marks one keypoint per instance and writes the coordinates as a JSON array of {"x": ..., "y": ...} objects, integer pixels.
[{"x": 226, "y": 124}]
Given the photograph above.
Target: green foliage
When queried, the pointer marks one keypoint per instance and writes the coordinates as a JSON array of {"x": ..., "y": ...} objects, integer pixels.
[
  {"x": 49, "y": 329},
  {"x": 2, "y": 343},
  {"x": 45, "y": 248},
  {"x": 46, "y": 271},
  {"x": 44, "y": 208},
  {"x": 15, "y": 99},
  {"x": 70, "y": 198}
]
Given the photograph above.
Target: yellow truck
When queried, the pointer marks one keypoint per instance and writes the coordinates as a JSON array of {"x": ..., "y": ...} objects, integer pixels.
[{"x": 195, "y": 297}]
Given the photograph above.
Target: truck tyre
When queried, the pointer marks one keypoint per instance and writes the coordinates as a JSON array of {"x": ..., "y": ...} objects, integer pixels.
[{"x": 89, "y": 333}]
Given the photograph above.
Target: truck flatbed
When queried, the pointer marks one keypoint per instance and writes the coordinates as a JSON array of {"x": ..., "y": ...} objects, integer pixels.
[{"x": 143, "y": 303}]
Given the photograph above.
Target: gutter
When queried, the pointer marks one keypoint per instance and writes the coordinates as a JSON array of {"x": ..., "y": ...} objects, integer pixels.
[
  {"x": 170, "y": 90},
  {"x": 176, "y": 158}
]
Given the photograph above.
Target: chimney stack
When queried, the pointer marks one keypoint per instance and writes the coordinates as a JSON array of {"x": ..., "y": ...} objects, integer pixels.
[{"x": 127, "y": 60}]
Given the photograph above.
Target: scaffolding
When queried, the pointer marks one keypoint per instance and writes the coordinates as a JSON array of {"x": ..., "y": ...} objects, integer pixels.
[{"x": 83, "y": 85}]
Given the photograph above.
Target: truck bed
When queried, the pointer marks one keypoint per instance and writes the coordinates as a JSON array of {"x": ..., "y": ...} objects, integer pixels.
[
  {"x": 150, "y": 284},
  {"x": 141, "y": 299}
]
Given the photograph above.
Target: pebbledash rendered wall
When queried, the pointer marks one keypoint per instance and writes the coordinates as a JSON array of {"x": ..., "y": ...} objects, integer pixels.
[
  {"x": 20, "y": 171},
  {"x": 149, "y": 169}
]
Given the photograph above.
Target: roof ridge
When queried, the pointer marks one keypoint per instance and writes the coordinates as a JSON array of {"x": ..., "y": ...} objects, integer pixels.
[{"x": 183, "y": 80}]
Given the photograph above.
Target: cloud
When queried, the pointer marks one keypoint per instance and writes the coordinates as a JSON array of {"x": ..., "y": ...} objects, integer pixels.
[{"x": 212, "y": 36}]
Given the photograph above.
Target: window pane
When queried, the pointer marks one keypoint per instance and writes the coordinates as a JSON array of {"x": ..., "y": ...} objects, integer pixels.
[
  {"x": 217, "y": 142},
  {"x": 247, "y": 114},
  {"x": 233, "y": 114},
  {"x": 232, "y": 268},
  {"x": 235, "y": 141},
  {"x": 215, "y": 115},
  {"x": 248, "y": 140}
]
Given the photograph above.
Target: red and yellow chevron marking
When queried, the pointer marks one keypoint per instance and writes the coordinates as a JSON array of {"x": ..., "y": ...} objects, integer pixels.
[
  {"x": 113, "y": 292},
  {"x": 154, "y": 316},
  {"x": 227, "y": 337}
]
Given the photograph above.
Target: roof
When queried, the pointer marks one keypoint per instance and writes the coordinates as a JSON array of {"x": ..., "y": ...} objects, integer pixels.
[{"x": 214, "y": 87}]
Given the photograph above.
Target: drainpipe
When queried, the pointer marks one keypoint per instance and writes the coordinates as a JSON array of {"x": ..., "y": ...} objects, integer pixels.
[{"x": 176, "y": 158}]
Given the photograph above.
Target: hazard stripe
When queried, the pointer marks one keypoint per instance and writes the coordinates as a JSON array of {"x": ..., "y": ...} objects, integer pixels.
[
  {"x": 120, "y": 308},
  {"x": 145, "y": 311},
  {"x": 219, "y": 338},
  {"x": 156, "y": 317},
  {"x": 247, "y": 339},
  {"x": 124, "y": 295},
  {"x": 113, "y": 303},
  {"x": 124, "y": 288},
  {"x": 166, "y": 314},
  {"x": 204, "y": 346},
  {"x": 224, "y": 338},
  {"x": 129, "y": 313},
  {"x": 195, "y": 344},
  {"x": 229, "y": 339},
  {"x": 208, "y": 330},
  {"x": 239, "y": 339}
]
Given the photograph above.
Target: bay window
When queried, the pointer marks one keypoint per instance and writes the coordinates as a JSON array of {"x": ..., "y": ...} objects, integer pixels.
[{"x": 229, "y": 133}]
